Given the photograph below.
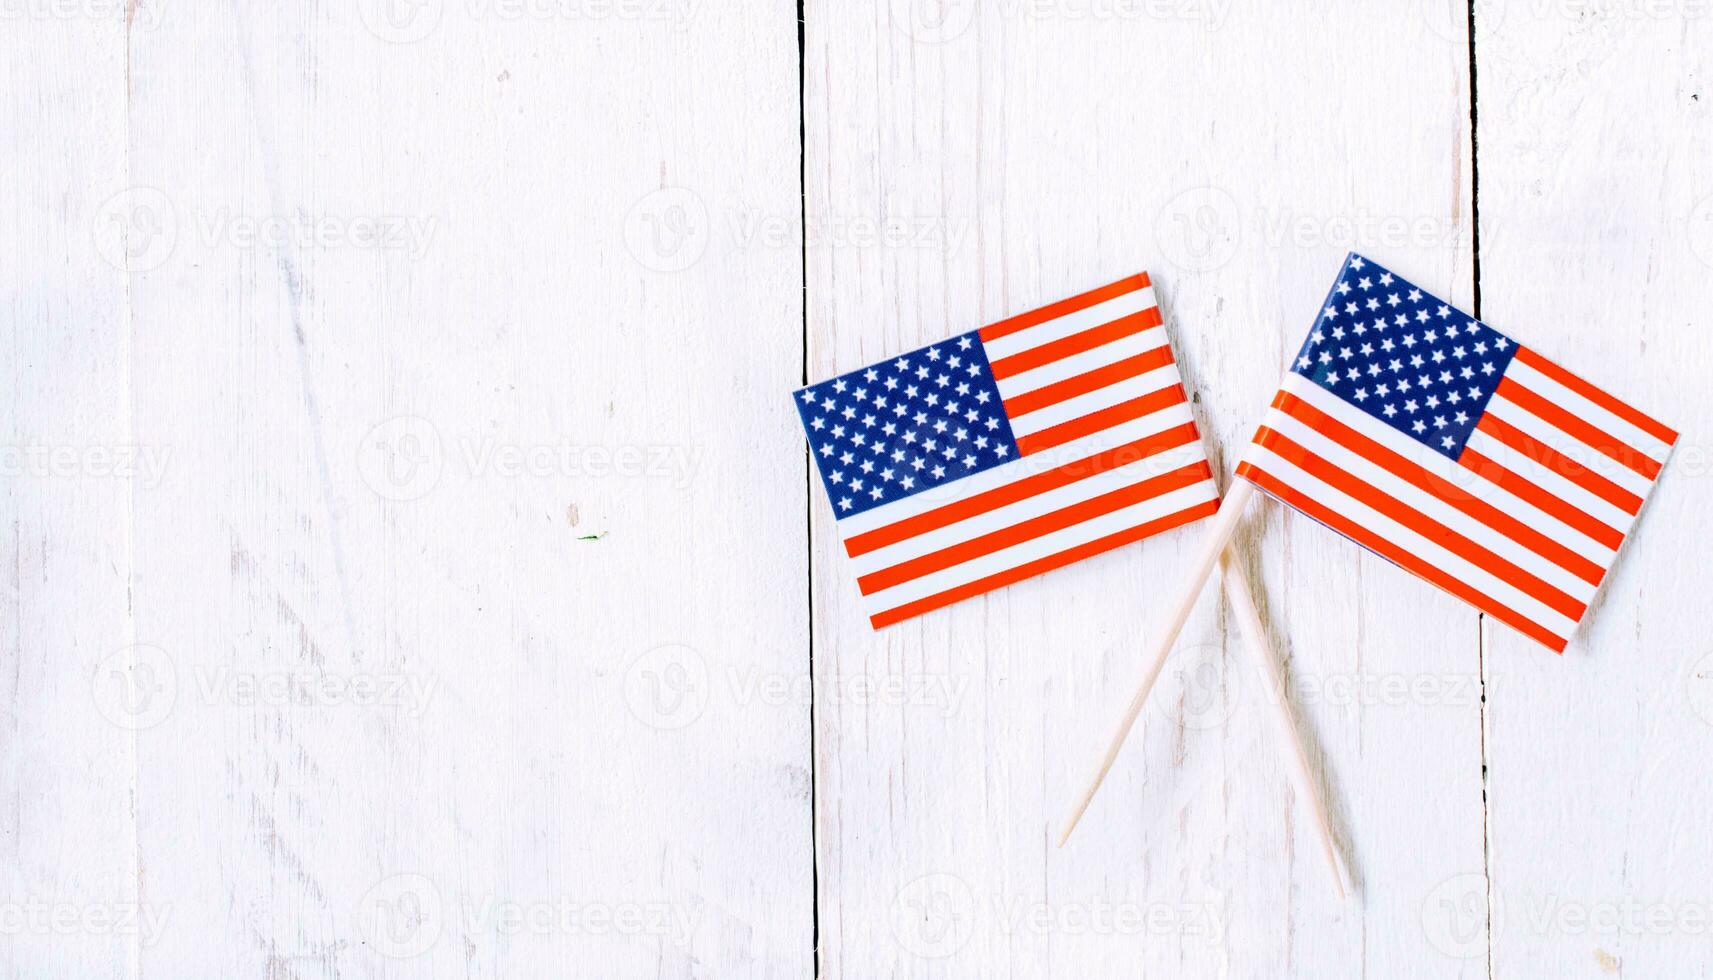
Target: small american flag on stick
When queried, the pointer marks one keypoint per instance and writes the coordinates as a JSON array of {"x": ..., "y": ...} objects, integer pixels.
[
  {"x": 1009, "y": 451},
  {"x": 1457, "y": 453}
]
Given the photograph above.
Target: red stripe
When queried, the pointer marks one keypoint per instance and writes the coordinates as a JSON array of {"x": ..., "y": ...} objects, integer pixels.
[
  {"x": 1349, "y": 485},
  {"x": 1399, "y": 556},
  {"x": 1549, "y": 503},
  {"x": 1559, "y": 463},
  {"x": 1035, "y": 527},
  {"x": 1053, "y": 311},
  {"x": 1047, "y": 564},
  {"x": 1441, "y": 489},
  {"x": 1643, "y": 422},
  {"x": 1076, "y": 343},
  {"x": 1106, "y": 418},
  {"x": 1010, "y": 493},
  {"x": 1578, "y": 428},
  {"x": 1088, "y": 381}
]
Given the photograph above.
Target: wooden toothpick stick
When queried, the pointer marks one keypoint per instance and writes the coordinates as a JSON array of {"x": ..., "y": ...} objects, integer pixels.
[
  {"x": 1224, "y": 526},
  {"x": 1266, "y": 664},
  {"x": 1272, "y": 679}
]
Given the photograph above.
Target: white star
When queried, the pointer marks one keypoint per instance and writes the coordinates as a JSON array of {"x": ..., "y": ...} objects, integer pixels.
[
  {"x": 840, "y": 386},
  {"x": 870, "y": 375},
  {"x": 1448, "y": 442},
  {"x": 1331, "y": 312},
  {"x": 1343, "y": 287},
  {"x": 1365, "y": 283},
  {"x": 963, "y": 343},
  {"x": 1418, "y": 427},
  {"x": 907, "y": 482},
  {"x": 1415, "y": 296},
  {"x": 1357, "y": 263},
  {"x": 1390, "y": 411},
  {"x": 1002, "y": 451},
  {"x": 938, "y": 471},
  {"x": 808, "y": 396},
  {"x": 933, "y": 353},
  {"x": 845, "y": 503},
  {"x": 1386, "y": 280},
  {"x": 818, "y": 424}
]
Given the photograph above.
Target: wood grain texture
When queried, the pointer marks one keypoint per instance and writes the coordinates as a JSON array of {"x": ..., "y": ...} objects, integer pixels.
[
  {"x": 1061, "y": 151},
  {"x": 481, "y": 552},
  {"x": 71, "y": 679},
  {"x": 412, "y": 569},
  {"x": 1597, "y": 249}
]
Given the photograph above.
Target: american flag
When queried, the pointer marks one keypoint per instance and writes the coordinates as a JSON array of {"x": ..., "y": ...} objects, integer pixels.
[
  {"x": 1457, "y": 453},
  {"x": 1002, "y": 453}
]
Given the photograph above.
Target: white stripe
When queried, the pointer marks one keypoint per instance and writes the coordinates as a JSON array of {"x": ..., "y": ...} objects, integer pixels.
[
  {"x": 1042, "y": 547},
  {"x": 1613, "y": 425},
  {"x": 1568, "y": 446},
  {"x": 1430, "y": 506},
  {"x": 1070, "y": 452},
  {"x": 1089, "y": 402},
  {"x": 1083, "y": 319},
  {"x": 1449, "y": 470},
  {"x": 1012, "y": 514},
  {"x": 1424, "y": 548},
  {"x": 1088, "y": 360},
  {"x": 1549, "y": 480}
]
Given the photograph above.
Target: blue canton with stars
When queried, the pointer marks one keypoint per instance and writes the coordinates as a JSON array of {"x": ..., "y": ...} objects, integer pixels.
[
  {"x": 1405, "y": 357},
  {"x": 906, "y": 425}
]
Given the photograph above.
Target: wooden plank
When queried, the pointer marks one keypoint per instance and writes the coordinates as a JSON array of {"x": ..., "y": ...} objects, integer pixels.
[
  {"x": 478, "y": 550},
  {"x": 74, "y": 689},
  {"x": 1596, "y": 245},
  {"x": 1043, "y": 149}
]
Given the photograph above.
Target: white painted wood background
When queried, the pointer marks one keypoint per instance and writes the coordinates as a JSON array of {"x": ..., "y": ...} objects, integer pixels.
[{"x": 412, "y": 569}]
